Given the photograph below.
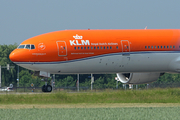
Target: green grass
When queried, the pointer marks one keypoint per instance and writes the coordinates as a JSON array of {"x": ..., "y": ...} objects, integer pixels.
[
  {"x": 167, "y": 113},
  {"x": 109, "y": 96},
  {"x": 121, "y": 96}
]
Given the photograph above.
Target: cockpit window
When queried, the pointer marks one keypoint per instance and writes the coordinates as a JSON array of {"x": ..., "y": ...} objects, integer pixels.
[
  {"x": 28, "y": 46},
  {"x": 32, "y": 47},
  {"x": 21, "y": 46}
]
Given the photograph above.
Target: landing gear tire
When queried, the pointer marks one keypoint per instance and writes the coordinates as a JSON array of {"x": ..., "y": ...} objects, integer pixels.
[{"x": 46, "y": 88}]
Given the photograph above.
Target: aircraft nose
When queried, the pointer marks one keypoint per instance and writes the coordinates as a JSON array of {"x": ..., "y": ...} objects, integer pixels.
[{"x": 14, "y": 56}]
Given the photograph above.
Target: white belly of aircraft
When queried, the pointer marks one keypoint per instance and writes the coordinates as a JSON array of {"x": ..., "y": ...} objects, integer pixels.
[{"x": 112, "y": 63}]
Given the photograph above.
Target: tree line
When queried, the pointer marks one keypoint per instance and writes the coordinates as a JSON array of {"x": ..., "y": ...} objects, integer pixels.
[{"x": 101, "y": 81}]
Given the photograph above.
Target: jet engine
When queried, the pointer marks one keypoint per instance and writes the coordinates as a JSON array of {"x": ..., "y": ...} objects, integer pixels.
[{"x": 137, "y": 78}]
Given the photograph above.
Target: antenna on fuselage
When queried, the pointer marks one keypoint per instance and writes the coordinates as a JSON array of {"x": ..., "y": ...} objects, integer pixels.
[{"x": 145, "y": 28}]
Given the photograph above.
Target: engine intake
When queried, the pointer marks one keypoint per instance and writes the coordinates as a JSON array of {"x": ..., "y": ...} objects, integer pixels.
[{"x": 137, "y": 78}]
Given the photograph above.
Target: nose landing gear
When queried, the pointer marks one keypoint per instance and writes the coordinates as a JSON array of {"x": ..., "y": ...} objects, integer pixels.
[
  {"x": 46, "y": 87},
  {"x": 45, "y": 76}
]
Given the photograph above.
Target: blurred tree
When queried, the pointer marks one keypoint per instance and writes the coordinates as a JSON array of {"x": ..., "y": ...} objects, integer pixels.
[{"x": 8, "y": 76}]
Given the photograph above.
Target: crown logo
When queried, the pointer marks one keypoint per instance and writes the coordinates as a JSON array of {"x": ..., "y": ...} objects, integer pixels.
[{"x": 77, "y": 37}]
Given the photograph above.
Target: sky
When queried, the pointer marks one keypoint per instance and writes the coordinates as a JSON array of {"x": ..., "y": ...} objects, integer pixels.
[{"x": 23, "y": 19}]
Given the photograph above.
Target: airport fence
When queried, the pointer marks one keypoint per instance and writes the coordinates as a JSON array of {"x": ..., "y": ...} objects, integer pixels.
[
  {"x": 164, "y": 85},
  {"x": 86, "y": 88}
]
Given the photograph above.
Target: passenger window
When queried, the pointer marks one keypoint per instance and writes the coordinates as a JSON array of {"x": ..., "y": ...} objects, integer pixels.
[
  {"x": 158, "y": 47},
  {"x": 170, "y": 46},
  {"x": 27, "y": 47},
  {"x": 152, "y": 47},
  {"x": 84, "y": 47},
  {"x": 81, "y": 47},
  {"x": 164, "y": 46},
  {"x": 145, "y": 47},
  {"x": 32, "y": 47},
  {"x": 94, "y": 47},
  {"x": 110, "y": 47},
  {"x": 149, "y": 47},
  {"x": 167, "y": 46},
  {"x": 161, "y": 47},
  {"x": 107, "y": 47},
  {"x": 88, "y": 47},
  {"x": 91, "y": 47},
  {"x": 155, "y": 47},
  {"x": 75, "y": 48},
  {"x": 101, "y": 47},
  {"x": 104, "y": 47},
  {"x": 78, "y": 47},
  {"x": 173, "y": 46},
  {"x": 117, "y": 47},
  {"x": 98, "y": 47}
]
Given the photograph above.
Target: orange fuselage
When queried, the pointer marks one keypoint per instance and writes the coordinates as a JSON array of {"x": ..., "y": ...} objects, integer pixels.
[{"x": 70, "y": 45}]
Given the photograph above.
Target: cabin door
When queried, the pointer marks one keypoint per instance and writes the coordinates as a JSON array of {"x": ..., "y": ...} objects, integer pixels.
[{"x": 62, "y": 48}]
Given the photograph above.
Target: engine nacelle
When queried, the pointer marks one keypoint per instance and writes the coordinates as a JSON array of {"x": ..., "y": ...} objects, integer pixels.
[{"x": 137, "y": 78}]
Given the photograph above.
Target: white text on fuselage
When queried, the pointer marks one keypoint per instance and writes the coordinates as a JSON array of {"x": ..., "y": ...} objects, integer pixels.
[
  {"x": 77, "y": 41},
  {"x": 104, "y": 43}
]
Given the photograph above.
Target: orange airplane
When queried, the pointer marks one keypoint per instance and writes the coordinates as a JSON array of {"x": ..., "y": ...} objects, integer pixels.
[{"x": 136, "y": 56}]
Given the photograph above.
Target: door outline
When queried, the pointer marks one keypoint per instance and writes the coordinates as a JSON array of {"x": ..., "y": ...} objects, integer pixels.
[
  {"x": 59, "y": 48},
  {"x": 125, "y": 47}
]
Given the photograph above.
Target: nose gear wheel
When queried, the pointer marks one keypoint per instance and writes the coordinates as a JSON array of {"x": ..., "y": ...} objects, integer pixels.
[{"x": 46, "y": 88}]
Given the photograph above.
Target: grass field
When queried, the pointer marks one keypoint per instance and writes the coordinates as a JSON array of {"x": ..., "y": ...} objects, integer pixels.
[
  {"x": 161, "y": 104},
  {"x": 121, "y": 96},
  {"x": 156, "y": 113}
]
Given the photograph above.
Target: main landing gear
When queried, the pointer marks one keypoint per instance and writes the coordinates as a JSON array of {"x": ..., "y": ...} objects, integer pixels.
[{"x": 46, "y": 87}]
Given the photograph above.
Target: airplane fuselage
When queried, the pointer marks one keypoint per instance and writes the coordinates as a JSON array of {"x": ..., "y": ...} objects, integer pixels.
[{"x": 101, "y": 51}]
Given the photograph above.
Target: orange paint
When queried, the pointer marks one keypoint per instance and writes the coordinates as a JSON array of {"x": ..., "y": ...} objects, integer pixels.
[{"x": 63, "y": 45}]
